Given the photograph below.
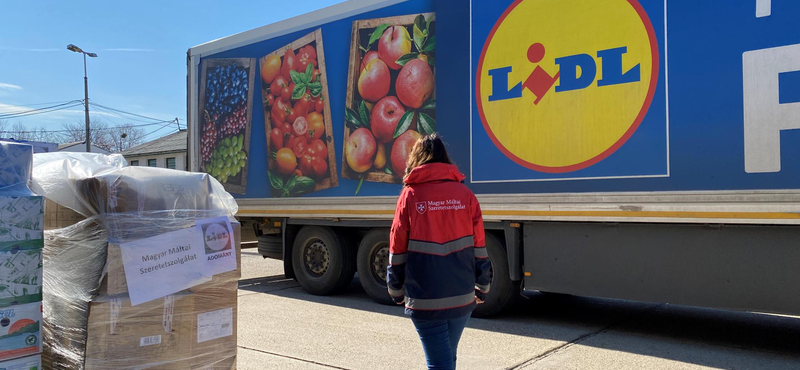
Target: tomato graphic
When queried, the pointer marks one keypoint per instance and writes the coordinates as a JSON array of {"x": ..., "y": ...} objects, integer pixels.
[
  {"x": 316, "y": 125},
  {"x": 304, "y": 104},
  {"x": 270, "y": 100},
  {"x": 306, "y": 165},
  {"x": 270, "y": 69},
  {"x": 277, "y": 85},
  {"x": 299, "y": 148},
  {"x": 300, "y": 126},
  {"x": 276, "y": 139},
  {"x": 319, "y": 148},
  {"x": 320, "y": 167},
  {"x": 286, "y": 94},
  {"x": 305, "y": 56},
  {"x": 289, "y": 64},
  {"x": 292, "y": 116},
  {"x": 286, "y": 161},
  {"x": 320, "y": 104},
  {"x": 279, "y": 111}
]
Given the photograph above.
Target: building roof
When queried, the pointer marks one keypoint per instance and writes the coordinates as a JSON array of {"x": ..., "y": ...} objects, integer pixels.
[
  {"x": 77, "y": 143},
  {"x": 168, "y": 144}
]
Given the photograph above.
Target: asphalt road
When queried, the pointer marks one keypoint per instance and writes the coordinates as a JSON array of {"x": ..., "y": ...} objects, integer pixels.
[{"x": 283, "y": 327}]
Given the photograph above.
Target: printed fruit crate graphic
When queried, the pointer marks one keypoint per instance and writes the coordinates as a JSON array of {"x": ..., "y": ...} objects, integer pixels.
[
  {"x": 226, "y": 101},
  {"x": 390, "y": 95},
  {"x": 20, "y": 272},
  {"x": 21, "y": 218},
  {"x": 297, "y": 118}
]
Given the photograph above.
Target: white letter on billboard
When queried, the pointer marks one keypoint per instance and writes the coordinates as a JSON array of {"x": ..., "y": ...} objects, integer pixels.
[
  {"x": 763, "y": 8},
  {"x": 764, "y": 116}
]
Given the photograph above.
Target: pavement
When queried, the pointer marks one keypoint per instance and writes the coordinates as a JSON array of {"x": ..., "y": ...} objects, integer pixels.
[{"x": 283, "y": 327}]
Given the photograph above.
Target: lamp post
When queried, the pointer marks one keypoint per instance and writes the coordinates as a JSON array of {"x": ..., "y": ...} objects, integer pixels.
[{"x": 76, "y": 49}]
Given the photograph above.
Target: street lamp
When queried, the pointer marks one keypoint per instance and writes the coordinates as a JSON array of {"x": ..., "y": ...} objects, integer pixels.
[{"x": 76, "y": 49}]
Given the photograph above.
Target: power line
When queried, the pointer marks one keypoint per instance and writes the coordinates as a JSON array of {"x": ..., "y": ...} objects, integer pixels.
[
  {"x": 52, "y": 108},
  {"x": 124, "y": 112}
]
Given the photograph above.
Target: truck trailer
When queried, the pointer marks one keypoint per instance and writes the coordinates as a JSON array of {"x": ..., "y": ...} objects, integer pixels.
[{"x": 630, "y": 149}]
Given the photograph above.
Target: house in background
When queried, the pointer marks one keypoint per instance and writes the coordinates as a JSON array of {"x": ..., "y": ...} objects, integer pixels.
[
  {"x": 166, "y": 152},
  {"x": 80, "y": 147}
]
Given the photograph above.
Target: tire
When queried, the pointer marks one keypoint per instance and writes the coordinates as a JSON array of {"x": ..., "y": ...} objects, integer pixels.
[
  {"x": 372, "y": 259},
  {"x": 503, "y": 291},
  {"x": 323, "y": 265},
  {"x": 270, "y": 246}
]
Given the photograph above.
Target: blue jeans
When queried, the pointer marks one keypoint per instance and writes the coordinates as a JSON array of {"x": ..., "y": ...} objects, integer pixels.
[{"x": 440, "y": 340}]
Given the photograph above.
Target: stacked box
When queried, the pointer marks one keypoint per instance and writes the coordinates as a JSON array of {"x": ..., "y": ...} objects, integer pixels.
[
  {"x": 21, "y": 243},
  {"x": 93, "y": 322},
  {"x": 25, "y": 363}
]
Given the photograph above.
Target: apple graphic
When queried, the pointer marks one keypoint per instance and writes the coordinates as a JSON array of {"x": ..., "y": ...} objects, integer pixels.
[
  {"x": 394, "y": 43},
  {"x": 414, "y": 83},
  {"x": 374, "y": 81},
  {"x": 400, "y": 150},
  {"x": 360, "y": 150},
  {"x": 384, "y": 118},
  {"x": 370, "y": 56}
]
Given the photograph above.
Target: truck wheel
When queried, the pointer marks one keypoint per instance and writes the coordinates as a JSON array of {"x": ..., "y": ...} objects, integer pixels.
[
  {"x": 270, "y": 246},
  {"x": 322, "y": 263},
  {"x": 373, "y": 258},
  {"x": 503, "y": 291}
]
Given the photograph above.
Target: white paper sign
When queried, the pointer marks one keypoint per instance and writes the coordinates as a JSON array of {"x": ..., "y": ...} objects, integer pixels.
[
  {"x": 164, "y": 264},
  {"x": 214, "y": 325},
  {"x": 220, "y": 252}
]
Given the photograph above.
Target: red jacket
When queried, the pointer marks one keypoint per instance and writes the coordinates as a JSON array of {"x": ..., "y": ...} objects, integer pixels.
[{"x": 437, "y": 246}]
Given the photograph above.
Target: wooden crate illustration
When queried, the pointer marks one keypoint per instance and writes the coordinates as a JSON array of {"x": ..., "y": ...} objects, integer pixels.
[
  {"x": 360, "y": 48},
  {"x": 290, "y": 184},
  {"x": 226, "y": 110}
]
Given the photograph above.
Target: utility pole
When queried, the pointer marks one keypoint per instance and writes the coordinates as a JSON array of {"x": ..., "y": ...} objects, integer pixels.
[{"x": 76, "y": 49}]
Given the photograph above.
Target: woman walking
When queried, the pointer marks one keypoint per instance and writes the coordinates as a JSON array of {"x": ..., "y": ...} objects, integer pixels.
[{"x": 438, "y": 265}]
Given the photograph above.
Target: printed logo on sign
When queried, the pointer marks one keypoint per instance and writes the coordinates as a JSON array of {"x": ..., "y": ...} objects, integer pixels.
[
  {"x": 561, "y": 85},
  {"x": 216, "y": 237},
  {"x": 421, "y": 208}
]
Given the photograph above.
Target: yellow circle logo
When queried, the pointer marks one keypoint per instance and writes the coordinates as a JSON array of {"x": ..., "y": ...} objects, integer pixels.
[{"x": 563, "y": 84}]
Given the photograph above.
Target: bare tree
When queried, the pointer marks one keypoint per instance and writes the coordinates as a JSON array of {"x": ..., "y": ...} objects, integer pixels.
[
  {"x": 21, "y": 132},
  {"x": 76, "y": 132},
  {"x": 124, "y": 137},
  {"x": 3, "y": 128}
]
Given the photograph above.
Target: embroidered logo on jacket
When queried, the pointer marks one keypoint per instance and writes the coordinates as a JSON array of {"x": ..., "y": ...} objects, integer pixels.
[{"x": 421, "y": 208}]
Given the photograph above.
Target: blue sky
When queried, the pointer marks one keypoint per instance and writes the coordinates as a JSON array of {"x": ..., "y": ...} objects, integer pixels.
[{"x": 141, "y": 47}]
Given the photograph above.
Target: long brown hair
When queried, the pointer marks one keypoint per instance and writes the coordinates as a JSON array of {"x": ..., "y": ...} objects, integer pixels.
[{"x": 428, "y": 149}]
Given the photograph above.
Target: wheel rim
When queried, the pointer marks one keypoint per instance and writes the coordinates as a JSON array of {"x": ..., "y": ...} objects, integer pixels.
[
  {"x": 379, "y": 260},
  {"x": 316, "y": 257}
]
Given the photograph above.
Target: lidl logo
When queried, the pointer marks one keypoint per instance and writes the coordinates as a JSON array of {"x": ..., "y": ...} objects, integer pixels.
[{"x": 561, "y": 85}]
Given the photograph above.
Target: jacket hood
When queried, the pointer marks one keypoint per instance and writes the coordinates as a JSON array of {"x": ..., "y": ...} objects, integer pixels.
[{"x": 434, "y": 172}]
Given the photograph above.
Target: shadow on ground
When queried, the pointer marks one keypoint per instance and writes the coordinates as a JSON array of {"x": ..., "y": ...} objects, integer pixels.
[{"x": 545, "y": 316}]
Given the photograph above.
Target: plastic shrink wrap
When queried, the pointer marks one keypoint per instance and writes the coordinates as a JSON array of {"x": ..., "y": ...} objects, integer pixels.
[{"x": 146, "y": 275}]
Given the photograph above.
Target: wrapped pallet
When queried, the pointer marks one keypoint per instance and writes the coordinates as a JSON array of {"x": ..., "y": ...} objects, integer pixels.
[
  {"x": 149, "y": 279},
  {"x": 21, "y": 242}
]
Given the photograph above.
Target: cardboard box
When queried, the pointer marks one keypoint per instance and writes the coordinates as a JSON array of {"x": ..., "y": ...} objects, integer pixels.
[
  {"x": 57, "y": 216},
  {"x": 25, "y": 363},
  {"x": 21, "y": 218},
  {"x": 115, "y": 281},
  {"x": 156, "y": 334},
  {"x": 16, "y": 165},
  {"x": 20, "y": 272},
  {"x": 20, "y": 331},
  {"x": 214, "y": 320},
  {"x": 228, "y": 363}
]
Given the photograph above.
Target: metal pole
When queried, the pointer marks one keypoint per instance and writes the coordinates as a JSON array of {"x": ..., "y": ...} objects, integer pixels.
[{"x": 86, "y": 104}]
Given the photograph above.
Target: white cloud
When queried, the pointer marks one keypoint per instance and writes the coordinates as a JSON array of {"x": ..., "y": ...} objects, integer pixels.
[
  {"x": 6, "y": 86},
  {"x": 32, "y": 49},
  {"x": 135, "y": 50}
]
